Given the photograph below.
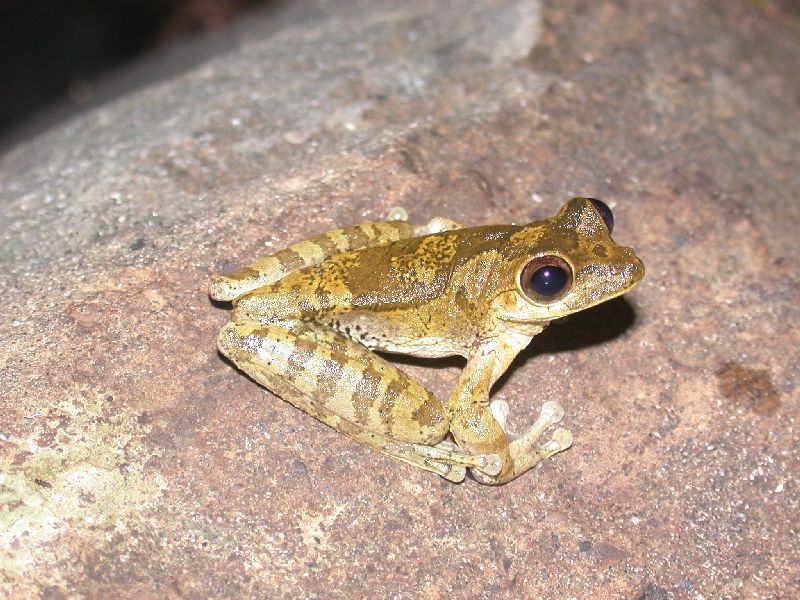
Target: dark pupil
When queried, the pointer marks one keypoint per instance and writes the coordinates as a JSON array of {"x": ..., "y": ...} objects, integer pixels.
[
  {"x": 548, "y": 280},
  {"x": 605, "y": 212}
]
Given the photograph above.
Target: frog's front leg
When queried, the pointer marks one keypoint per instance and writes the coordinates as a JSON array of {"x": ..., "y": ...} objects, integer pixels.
[
  {"x": 435, "y": 225},
  {"x": 344, "y": 385},
  {"x": 475, "y": 427}
]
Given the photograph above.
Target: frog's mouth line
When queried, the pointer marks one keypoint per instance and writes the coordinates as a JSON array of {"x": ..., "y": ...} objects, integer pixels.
[{"x": 562, "y": 309}]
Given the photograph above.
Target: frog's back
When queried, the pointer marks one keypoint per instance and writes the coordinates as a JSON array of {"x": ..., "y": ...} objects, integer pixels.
[
  {"x": 400, "y": 276},
  {"x": 409, "y": 273}
]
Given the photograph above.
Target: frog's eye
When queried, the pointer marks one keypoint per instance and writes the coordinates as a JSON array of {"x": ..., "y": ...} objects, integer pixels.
[
  {"x": 545, "y": 279},
  {"x": 605, "y": 212}
]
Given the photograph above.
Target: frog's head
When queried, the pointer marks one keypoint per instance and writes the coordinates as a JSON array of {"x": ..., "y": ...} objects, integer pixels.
[{"x": 565, "y": 264}]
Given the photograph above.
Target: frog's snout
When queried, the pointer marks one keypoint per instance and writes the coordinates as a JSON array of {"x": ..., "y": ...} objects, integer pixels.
[
  {"x": 623, "y": 269},
  {"x": 633, "y": 267}
]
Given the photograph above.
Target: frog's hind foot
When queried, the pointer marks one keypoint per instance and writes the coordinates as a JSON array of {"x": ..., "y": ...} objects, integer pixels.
[{"x": 451, "y": 457}]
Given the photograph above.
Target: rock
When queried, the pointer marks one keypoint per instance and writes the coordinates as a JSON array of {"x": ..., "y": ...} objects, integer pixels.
[{"x": 135, "y": 461}]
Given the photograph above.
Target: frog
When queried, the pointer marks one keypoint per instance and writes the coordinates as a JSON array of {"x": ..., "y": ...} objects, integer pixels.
[{"x": 317, "y": 322}]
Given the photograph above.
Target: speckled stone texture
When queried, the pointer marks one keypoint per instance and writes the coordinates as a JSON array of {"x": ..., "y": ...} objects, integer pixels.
[{"x": 135, "y": 462}]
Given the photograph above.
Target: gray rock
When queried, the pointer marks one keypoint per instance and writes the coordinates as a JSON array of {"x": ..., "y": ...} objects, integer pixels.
[{"x": 134, "y": 461}]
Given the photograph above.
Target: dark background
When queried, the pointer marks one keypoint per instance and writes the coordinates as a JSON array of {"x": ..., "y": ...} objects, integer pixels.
[{"x": 53, "y": 52}]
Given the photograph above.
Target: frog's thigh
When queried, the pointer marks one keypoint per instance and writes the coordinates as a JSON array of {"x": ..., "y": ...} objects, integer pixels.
[
  {"x": 274, "y": 267},
  {"x": 316, "y": 371},
  {"x": 341, "y": 376}
]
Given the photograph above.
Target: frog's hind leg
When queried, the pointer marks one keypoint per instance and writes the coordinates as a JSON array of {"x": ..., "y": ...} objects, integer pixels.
[
  {"x": 305, "y": 254},
  {"x": 356, "y": 392}
]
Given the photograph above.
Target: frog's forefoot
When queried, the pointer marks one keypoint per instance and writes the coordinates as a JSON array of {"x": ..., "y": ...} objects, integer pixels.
[
  {"x": 397, "y": 213},
  {"x": 437, "y": 225},
  {"x": 525, "y": 452},
  {"x": 562, "y": 439},
  {"x": 552, "y": 413}
]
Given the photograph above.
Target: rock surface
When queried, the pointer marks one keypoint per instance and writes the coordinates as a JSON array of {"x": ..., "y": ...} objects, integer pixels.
[{"x": 135, "y": 462}]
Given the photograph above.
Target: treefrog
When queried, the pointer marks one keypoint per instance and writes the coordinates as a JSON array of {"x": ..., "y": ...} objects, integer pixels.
[{"x": 307, "y": 320}]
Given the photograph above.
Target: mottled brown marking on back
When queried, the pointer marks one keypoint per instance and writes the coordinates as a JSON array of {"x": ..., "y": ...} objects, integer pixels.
[
  {"x": 542, "y": 237},
  {"x": 406, "y": 275},
  {"x": 323, "y": 299}
]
